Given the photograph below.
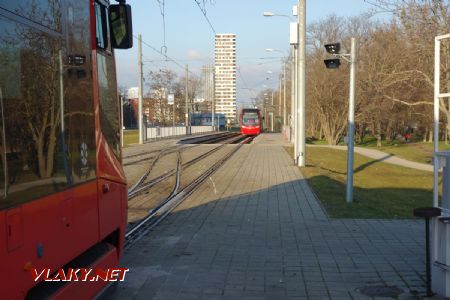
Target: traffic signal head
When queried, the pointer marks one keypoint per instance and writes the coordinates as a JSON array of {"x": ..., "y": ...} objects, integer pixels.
[
  {"x": 333, "y": 63},
  {"x": 333, "y": 48}
]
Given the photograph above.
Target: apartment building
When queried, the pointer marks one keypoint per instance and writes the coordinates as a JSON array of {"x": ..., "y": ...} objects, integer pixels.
[{"x": 225, "y": 75}]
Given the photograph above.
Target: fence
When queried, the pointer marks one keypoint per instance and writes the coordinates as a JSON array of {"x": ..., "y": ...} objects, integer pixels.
[{"x": 164, "y": 132}]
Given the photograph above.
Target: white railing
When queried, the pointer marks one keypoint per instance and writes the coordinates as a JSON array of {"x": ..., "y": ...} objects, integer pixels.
[{"x": 164, "y": 132}]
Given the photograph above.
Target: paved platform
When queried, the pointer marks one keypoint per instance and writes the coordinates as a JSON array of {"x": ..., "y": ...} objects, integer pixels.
[{"x": 256, "y": 231}]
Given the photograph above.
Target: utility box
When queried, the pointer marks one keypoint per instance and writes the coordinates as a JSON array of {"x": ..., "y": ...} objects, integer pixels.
[
  {"x": 441, "y": 232},
  {"x": 293, "y": 33}
]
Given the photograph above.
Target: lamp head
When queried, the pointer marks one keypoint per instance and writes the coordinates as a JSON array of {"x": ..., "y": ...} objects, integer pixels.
[
  {"x": 268, "y": 14},
  {"x": 333, "y": 63},
  {"x": 333, "y": 48}
]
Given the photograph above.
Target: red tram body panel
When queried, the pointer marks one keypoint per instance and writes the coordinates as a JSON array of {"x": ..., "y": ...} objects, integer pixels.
[
  {"x": 63, "y": 192},
  {"x": 250, "y": 121}
]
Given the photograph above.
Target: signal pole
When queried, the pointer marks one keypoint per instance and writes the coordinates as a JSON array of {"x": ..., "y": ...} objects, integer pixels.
[
  {"x": 351, "y": 123},
  {"x": 140, "y": 76}
]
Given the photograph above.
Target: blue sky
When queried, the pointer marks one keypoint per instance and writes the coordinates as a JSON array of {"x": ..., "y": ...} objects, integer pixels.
[{"x": 190, "y": 40}]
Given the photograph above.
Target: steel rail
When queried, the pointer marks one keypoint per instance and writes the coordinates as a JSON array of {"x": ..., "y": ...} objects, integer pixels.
[{"x": 157, "y": 214}]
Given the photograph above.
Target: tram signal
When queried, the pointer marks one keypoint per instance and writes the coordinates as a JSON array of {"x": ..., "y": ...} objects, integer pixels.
[
  {"x": 334, "y": 48},
  {"x": 333, "y": 63}
]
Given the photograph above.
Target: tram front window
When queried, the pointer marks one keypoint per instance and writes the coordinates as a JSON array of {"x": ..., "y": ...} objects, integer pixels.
[{"x": 250, "y": 119}]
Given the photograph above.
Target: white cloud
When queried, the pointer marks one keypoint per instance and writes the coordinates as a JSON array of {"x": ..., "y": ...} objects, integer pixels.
[{"x": 194, "y": 54}]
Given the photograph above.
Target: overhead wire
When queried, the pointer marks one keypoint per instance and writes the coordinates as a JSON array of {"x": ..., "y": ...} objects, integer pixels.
[
  {"x": 161, "y": 4},
  {"x": 245, "y": 83},
  {"x": 164, "y": 55},
  {"x": 203, "y": 10}
]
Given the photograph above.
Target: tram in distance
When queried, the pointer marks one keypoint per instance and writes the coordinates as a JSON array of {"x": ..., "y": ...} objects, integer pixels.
[
  {"x": 63, "y": 192},
  {"x": 250, "y": 121}
]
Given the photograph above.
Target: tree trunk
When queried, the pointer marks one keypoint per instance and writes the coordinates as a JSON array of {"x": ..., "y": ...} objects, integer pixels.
[
  {"x": 389, "y": 131},
  {"x": 446, "y": 134},
  {"x": 378, "y": 134},
  {"x": 51, "y": 152},
  {"x": 425, "y": 135},
  {"x": 40, "y": 154}
]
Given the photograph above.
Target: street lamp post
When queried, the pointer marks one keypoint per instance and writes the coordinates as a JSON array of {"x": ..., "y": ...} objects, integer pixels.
[
  {"x": 284, "y": 88},
  {"x": 301, "y": 112},
  {"x": 294, "y": 44},
  {"x": 293, "y": 97},
  {"x": 334, "y": 64}
]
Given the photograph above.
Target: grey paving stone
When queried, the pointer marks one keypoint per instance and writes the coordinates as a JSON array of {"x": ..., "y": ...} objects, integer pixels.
[{"x": 259, "y": 233}]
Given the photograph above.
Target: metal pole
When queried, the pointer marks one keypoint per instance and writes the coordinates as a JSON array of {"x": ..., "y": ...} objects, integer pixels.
[
  {"x": 140, "y": 119},
  {"x": 265, "y": 118},
  {"x": 437, "y": 82},
  {"x": 284, "y": 95},
  {"x": 351, "y": 123},
  {"x": 213, "y": 108},
  {"x": 62, "y": 132},
  {"x": 173, "y": 113},
  {"x": 293, "y": 97},
  {"x": 427, "y": 253},
  {"x": 279, "y": 98},
  {"x": 271, "y": 121},
  {"x": 301, "y": 114},
  {"x": 121, "y": 120},
  {"x": 187, "y": 102},
  {"x": 295, "y": 115}
]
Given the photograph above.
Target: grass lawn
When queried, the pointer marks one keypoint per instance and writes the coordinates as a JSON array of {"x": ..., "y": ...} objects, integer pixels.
[
  {"x": 415, "y": 151},
  {"x": 381, "y": 190},
  {"x": 130, "y": 137}
]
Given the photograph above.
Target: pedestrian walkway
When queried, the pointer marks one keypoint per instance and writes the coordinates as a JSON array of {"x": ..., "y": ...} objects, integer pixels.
[
  {"x": 384, "y": 157},
  {"x": 271, "y": 139},
  {"x": 255, "y": 230}
]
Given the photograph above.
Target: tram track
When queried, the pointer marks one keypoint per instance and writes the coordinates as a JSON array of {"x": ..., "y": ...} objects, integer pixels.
[
  {"x": 156, "y": 158},
  {"x": 140, "y": 187},
  {"x": 214, "y": 138},
  {"x": 179, "y": 192},
  {"x": 223, "y": 137}
]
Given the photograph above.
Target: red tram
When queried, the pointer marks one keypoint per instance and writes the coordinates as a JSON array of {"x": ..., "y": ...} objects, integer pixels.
[
  {"x": 250, "y": 121},
  {"x": 63, "y": 192}
]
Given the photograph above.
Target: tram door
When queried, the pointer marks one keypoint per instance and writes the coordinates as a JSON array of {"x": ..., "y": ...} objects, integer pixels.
[{"x": 109, "y": 155}]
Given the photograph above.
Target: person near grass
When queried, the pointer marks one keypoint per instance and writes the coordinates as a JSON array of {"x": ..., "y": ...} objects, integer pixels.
[{"x": 406, "y": 137}]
